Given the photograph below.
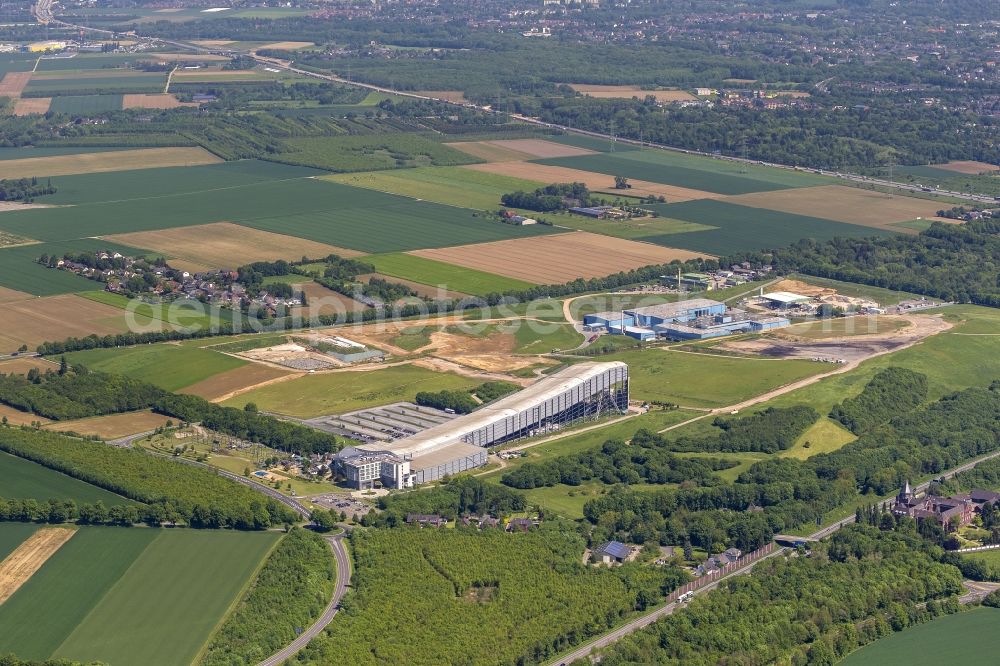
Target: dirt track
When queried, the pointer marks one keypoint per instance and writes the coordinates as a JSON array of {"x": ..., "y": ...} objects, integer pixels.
[{"x": 29, "y": 557}]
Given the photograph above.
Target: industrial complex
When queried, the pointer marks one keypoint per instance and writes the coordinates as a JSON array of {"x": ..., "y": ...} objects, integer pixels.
[
  {"x": 585, "y": 390},
  {"x": 695, "y": 319}
]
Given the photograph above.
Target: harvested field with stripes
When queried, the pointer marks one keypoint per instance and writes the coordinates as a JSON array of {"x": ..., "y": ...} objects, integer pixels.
[
  {"x": 456, "y": 96},
  {"x": 12, "y": 295},
  {"x": 26, "y": 107},
  {"x": 226, "y": 245},
  {"x": 968, "y": 167},
  {"x": 540, "y": 148},
  {"x": 490, "y": 152},
  {"x": 628, "y": 92},
  {"x": 39, "y": 319},
  {"x": 595, "y": 182},
  {"x": 115, "y": 160},
  {"x": 843, "y": 204},
  {"x": 13, "y": 83},
  {"x": 19, "y": 566},
  {"x": 16, "y": 417},
  {"x": 22, "y": 365},
  {"x": 559, "y": 258},
  {"x": 112, "y": 426},
  {"x": 149, "y": 101}
]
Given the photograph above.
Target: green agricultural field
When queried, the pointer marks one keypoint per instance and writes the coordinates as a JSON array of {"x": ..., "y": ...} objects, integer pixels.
[
  {"x": 23, "y": 479},
  {"x": 17, "y": 62},
  {"x": 720, "y": 176},
  {"x": 369, "y": 153},
  {"x": 170, "y": 367},
  {"x": 20, "y": 270},
  {"x": 970, "y": 638},
  {"x": 12, "y": 535},
  {"x": 698, "y": 380},
  {"x": 591, "y": 143},
  {"x": 452, "y": 186},
  {"x": 36, "y": 620},
  {"x": 181, "y": 586},
  {"x": 633, "y": 229},
  {"x": 113, "y": 83},
  {"x": 338, "y": 392},
  {"x": 742, "y": 228},
  {"x": 308, "y": 208},
  {"x": 187, "y": 313},
  {"x": 72, "y": 104},
  {"x": 435, "y": 273},
  {"x": 88, "y": 61}
]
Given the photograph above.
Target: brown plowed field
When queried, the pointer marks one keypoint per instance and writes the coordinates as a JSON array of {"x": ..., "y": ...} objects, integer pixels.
[
  {"x": 969, "y": 167},
  {"x": 12, "y": 295},
  {"x": 628, "y": 92},
  {"x": 29, "y": 557},
  {"x": 228, "y": 383},
  {"x": 227, "y": 245},
  {"x": 112, "y": 426},
  {"x": 115, "y": 160},
  {"x": 844, "y": 204},
  {"x": 137, "y": 101},
  {"x": 540, "y": 148},
  {"x": 487, "y": 150},
  {"x": 26, "y": 107},
  {"x": 595, "y": 182},
  {"x": 56, "y": 317},
  {"x": 13, "y": 83},
  {"x": 557, "y": 258}
]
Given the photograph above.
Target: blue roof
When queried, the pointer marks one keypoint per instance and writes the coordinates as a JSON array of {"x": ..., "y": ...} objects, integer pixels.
[{"x": 615, "y": 549}]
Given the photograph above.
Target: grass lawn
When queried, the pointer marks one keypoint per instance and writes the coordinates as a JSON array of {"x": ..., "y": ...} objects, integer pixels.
[
  {"x": 438, "y": 273},
  {"x": 845, "y": 327},
  {"x": 452, "y": 186},
  {"x": 338, "y": 392},
  {"x": 695, "y": 380},
  {"x": 412, "y": 338},
  {"x": 181, "y": 585},
  {"x": 170, "y": 367},
  {"x": 533, "y": 337},
  {"x": 823, "y": 436},
  {"x": 23, "y": 479},
  {"x": 188, "y": 313},
  {"x": 53, "y": 602},
  {"x": 970, "y": 638},
  {"x": 991, "y": 557}
]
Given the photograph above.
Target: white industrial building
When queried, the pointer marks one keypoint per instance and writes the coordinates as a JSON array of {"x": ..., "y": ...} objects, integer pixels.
[{"x": 584, "y": 390}]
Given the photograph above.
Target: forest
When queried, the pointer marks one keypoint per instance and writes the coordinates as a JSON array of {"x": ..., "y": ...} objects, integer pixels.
[
  {"x": 194, "y": 495},
  {"x": 455, "y": 497},
  {"x": 75, "y": 393},
  {"x": 856, "y": 587},
  {"x": 769, "y": 431},
  {"x": 290, "y": 592},
  {"x": 463, "y": 402},
  {"x": 248, "y": 424},
  {"x": 891, "y": 392},
  {"x": 785, "y": 493},
  {"x": 24, "y": 189},
  {"x": 555, "y": 197}
]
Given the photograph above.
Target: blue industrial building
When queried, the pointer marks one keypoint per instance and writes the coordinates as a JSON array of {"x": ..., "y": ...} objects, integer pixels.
[{"x": 696, "y": 319}]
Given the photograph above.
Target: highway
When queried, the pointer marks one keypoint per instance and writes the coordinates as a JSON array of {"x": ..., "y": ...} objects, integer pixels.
[
  {"x": 42, "y": 10},
  {"x": 343, "y": 580},
  {"x": 631, "y": 626}
]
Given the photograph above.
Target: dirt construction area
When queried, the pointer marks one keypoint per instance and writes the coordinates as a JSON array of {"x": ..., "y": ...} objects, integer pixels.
[
  {"x": 843, "y": 204},
  {"x": 29, "y": 557},
  {"x": 848, "y": 350},
  {"x": 225, "y": 245},
  {"x": 115, "y": 160},
  {"x": 557, "y": 258},
  {"x": 595, "y": 182}
]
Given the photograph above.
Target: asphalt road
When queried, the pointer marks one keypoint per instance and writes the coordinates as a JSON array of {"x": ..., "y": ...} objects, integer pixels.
[
  {"x": 645, "y": 620},
  {"x": 343, "y": 580}
]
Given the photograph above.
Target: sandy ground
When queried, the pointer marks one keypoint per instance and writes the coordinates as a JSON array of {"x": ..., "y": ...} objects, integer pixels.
[
  {"x": 853, "y": 349},
  {"x": 226, "y": 245},
  {"x": 137, "y": 101},
  {"x": 443, "y": 365},
  {"x": 13, "y": 83},
  {"x": 844, "y": 204},
  {"x": 557, "y": 258},
  {"x": 26, "y": 107},
  {"x": 116, "y": 160},
  {"x": 628, "y": 92},
  {"x": 29, "y": 557},
  {"x": 16, "y": 416},
  {"x": 56, "y": 317},
  {"x": 799, "y": 287},
  {"x": 968, "y": 167},
  {"x": 596, "y": 182},
  {"x": 232, "y": 382},
  {"x": 112, "y": 426}
]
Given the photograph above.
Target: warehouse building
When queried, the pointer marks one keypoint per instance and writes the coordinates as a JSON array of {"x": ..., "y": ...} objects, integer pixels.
[
  {"x": 584, "y": 390},
  {"x": 696, "y": 319}
]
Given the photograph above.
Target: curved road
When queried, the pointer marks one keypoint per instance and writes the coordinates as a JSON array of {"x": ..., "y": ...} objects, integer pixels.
[{"x": 343, "y": 579}]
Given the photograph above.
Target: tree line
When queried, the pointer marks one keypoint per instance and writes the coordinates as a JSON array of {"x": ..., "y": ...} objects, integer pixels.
[
  {"x": 464, "y": 402},
  {"x": 769, "y": 431},
  {"x": 173, "y": 492},
  {"x": 24, "y": 189}
]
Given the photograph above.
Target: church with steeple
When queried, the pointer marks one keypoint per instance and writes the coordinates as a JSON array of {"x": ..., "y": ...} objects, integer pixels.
[{"x": 954, "y": 511}]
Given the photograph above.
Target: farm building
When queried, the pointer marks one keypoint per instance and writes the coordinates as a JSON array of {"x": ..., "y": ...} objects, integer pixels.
[
  {"x": 696, "y": 319},
  {"x": 581, "y": 391},
  {"x": 599, "y": 212}
]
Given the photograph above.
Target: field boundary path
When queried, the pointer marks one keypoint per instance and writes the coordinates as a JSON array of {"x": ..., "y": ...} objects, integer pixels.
[
  {"x": 642, "y": 621},
  {"x": 340, "y": 588}
]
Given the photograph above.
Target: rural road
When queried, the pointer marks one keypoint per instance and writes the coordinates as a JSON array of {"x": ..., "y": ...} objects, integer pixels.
[
  {"x": 343, "y": 580},
  {"x": 604, "y": 640}
]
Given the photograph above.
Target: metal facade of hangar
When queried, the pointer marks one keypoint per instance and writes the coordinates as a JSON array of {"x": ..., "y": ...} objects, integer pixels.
[
  {"x": 606, "y": 390},
  {"x": 426, "y": 470}
]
